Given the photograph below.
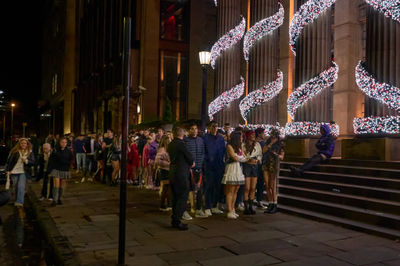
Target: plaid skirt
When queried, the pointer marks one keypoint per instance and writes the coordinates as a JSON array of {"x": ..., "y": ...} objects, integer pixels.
[{"x": 60, "y": 174}]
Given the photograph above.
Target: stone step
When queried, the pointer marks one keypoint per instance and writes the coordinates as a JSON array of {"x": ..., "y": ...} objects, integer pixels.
[
  {"x": 349, "y": 223},
  {"x": 366, "y": 216},
  {"x": 350, "y": 170},
  {"x": 363, "y": 191},
  {"x": 379, "y": 182},
  {"x": 363, "y": 163},
  {"x": 376, "y": 205}
]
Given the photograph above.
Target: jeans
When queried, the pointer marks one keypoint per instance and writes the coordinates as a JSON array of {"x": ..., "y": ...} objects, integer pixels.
[
  {"x": 310, "y": 163},
  {"x": 46, "y": 180},
  {"x": 91, "y": 163},
  {"x": 260, "y": 184},
  {"x": 198, "y": 188},
  {"x": 81, "y": 161},
  {"x": 213, "y": 188},
  {"x": 19, "y": 182}
]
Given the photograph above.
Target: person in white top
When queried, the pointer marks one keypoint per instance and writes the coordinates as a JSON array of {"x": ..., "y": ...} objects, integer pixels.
[
  {"x": 19, "y": 162},
  {"x": 251, "y": 149},
  {"x": 233, "y": 176}
]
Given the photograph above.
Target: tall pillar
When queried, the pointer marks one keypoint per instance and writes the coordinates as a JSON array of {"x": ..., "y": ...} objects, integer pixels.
[
  {"x": 228, "y": 64},
  {"x": 347, "y": 98},
  {"x": 264, "y": 62}
]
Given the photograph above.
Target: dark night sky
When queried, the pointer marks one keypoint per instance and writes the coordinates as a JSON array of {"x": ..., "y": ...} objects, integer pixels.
[{"x": 20, "y": 59}]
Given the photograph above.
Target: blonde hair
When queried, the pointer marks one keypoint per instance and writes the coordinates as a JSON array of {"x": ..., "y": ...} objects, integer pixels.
[{"x": 17, "y": 146}]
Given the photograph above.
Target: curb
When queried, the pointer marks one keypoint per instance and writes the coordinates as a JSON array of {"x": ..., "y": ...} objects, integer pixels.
[{"x": 60, "y": 247}]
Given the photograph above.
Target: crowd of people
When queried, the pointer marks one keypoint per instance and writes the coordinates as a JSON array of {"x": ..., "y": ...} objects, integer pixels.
[{"x": 216, "y": 171}]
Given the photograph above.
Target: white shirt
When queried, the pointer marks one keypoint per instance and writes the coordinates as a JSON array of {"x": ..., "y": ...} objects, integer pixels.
[
  {"x": 19, "y": 166},
  {"x": 256, "y": 153}
]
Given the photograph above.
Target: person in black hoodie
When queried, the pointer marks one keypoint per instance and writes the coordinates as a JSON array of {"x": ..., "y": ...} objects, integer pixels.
[
  {"x": 60, "y": 162},
  {"x": 181, "y": 160},
  {"x": 325, "y": 146},
  {"x": 19, "y": 164}
]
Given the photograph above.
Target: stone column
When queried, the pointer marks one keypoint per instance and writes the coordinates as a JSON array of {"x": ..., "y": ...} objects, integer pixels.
[
  {"x": 264, "y": 62},
  {"x": 347, "y": 98},
  {"x": 228, "y": 64}
]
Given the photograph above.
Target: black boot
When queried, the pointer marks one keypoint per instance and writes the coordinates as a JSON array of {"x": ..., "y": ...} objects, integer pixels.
[
  {"x": 251, "y": 210},
  {"x": 268, "y": 210},
  {"x": 246, "y": 208},
  {"x": 274, "y": 209}
]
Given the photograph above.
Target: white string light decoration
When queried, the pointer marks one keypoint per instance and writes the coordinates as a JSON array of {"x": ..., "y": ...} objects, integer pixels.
[
  {"x": 308, "y": 129},
  {"x": 311, "y": 88},
  {"x": 227, "y": 41},
  {"x": 267, "y": 128},
  {"x": 306, "y": 14},
  {"x": 216, "y": 2},
  {"x": 261, "y": 29},
  {"x": 260, "y": 96},
  {"x": 390, "y": 8},
  {"x": 382, "y": 92},
  {"x": 226, "y": 98}
]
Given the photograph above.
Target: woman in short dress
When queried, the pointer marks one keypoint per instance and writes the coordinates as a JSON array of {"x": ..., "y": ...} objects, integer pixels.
[
  {"x": 274, "y": 152},
  {"x": 162, "y": 162},
  {"x": 60, "y": 162},
  {"x": 233, "y": 176}
]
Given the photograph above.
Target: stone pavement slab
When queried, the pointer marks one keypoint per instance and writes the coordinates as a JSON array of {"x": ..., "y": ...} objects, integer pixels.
[{"x": 91, "y": 227}]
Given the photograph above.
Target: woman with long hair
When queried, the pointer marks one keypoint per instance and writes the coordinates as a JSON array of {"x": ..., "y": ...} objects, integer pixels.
[
  {"x": 252, "y": 150},
  {"x": 98, "y": 156},
  {"x": 19, "y": 163},
  {"x": 162, "y": 162},
  {"x": 233, "y": 176},
  {"x": 274, "y": 152},
  {"x": 60, "y": 161}
]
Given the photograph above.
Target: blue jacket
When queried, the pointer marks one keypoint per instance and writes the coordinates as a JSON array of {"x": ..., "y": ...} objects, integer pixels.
[
  {"x": 326, "y": 144},
  {"x": 196, "y": 148},
  {"x": 214, "y": 153}
]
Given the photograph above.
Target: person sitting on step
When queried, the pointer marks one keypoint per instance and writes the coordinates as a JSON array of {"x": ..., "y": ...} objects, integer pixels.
[{"x": 325, "y": 146}]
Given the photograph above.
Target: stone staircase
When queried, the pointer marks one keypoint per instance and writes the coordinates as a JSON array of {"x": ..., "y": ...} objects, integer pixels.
[{"x": 363, "y": 195}]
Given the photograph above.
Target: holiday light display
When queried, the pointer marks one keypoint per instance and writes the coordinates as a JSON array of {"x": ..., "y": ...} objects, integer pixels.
[
  {"x": 216, "y": 2},
  {"x": 311, "y": 88},
  {"x": 307, "y": 13},
  {"x": 225, "y": 98},
  {"x": 261, "y": 29},
  {"x": 267, "y": 128},
  {"x": 377, "y": 125},
  {"x": 382, "y": 92},
  {"x": 261, "y": 96},
  {"x": 227, "y": 41},
  {"x": 390, "y": 8},
  {"x": 308, "y": 129}
]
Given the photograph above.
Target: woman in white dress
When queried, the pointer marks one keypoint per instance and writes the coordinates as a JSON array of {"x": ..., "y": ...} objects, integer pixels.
[{"x": 233, "y": 176}]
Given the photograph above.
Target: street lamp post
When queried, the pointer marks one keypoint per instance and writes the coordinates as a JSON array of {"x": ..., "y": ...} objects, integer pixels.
[
  {"x": 204, "y": 57},
  {"x": 12, "y": 119}
]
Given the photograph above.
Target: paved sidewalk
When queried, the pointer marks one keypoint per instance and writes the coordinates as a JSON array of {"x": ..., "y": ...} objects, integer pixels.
[{"x": 89, "y": 219}]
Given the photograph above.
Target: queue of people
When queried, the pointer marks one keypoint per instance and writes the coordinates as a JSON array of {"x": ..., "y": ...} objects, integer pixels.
[{"x": 219, "y": 171}]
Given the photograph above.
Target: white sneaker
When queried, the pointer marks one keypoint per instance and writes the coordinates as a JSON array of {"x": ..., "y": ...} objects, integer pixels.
[
  {"x": 83, "y": 180},
  {"x": 231, "y": 215},
  {"x": 193, "y": 211},
  {"x": 186, "y": 216},
  {"x": 234, "y": 212},
  {"x": 200, "y": 214},
  {"x": 208, "y": 212},
  {"x": 216, "y": 211},
  {"x": 240, "y": 207},
  {"x": 41, "y": 198},
  {"x": 90, "y": 179}
]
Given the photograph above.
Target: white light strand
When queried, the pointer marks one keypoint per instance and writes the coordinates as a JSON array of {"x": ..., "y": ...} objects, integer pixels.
[
  {"x": 383, "y": 92},
  {"x": 267, "y": 128},
  {"x": 260, "y": 96},
  {"x": 225, "y": 98},
  {"x": 216, "y": 2},
  {"x": 261, "y": 29},
  {"x": 311, "y": 88},
  {"x": 227, "y": 41},
  {"x": 307, "y": 13},
  {"x": 308, "y": 129},
  {"x": 390, "y": 8},
  {"x": 377, "y": 125}
]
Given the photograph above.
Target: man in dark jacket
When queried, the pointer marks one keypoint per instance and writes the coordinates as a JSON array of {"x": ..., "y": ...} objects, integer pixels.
[
  {"x": 214, "y": 167},
  {"x": 195, "y": 146},
  {"x": 325, "y": 146},
  {"x": 181, "y": 161}
]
